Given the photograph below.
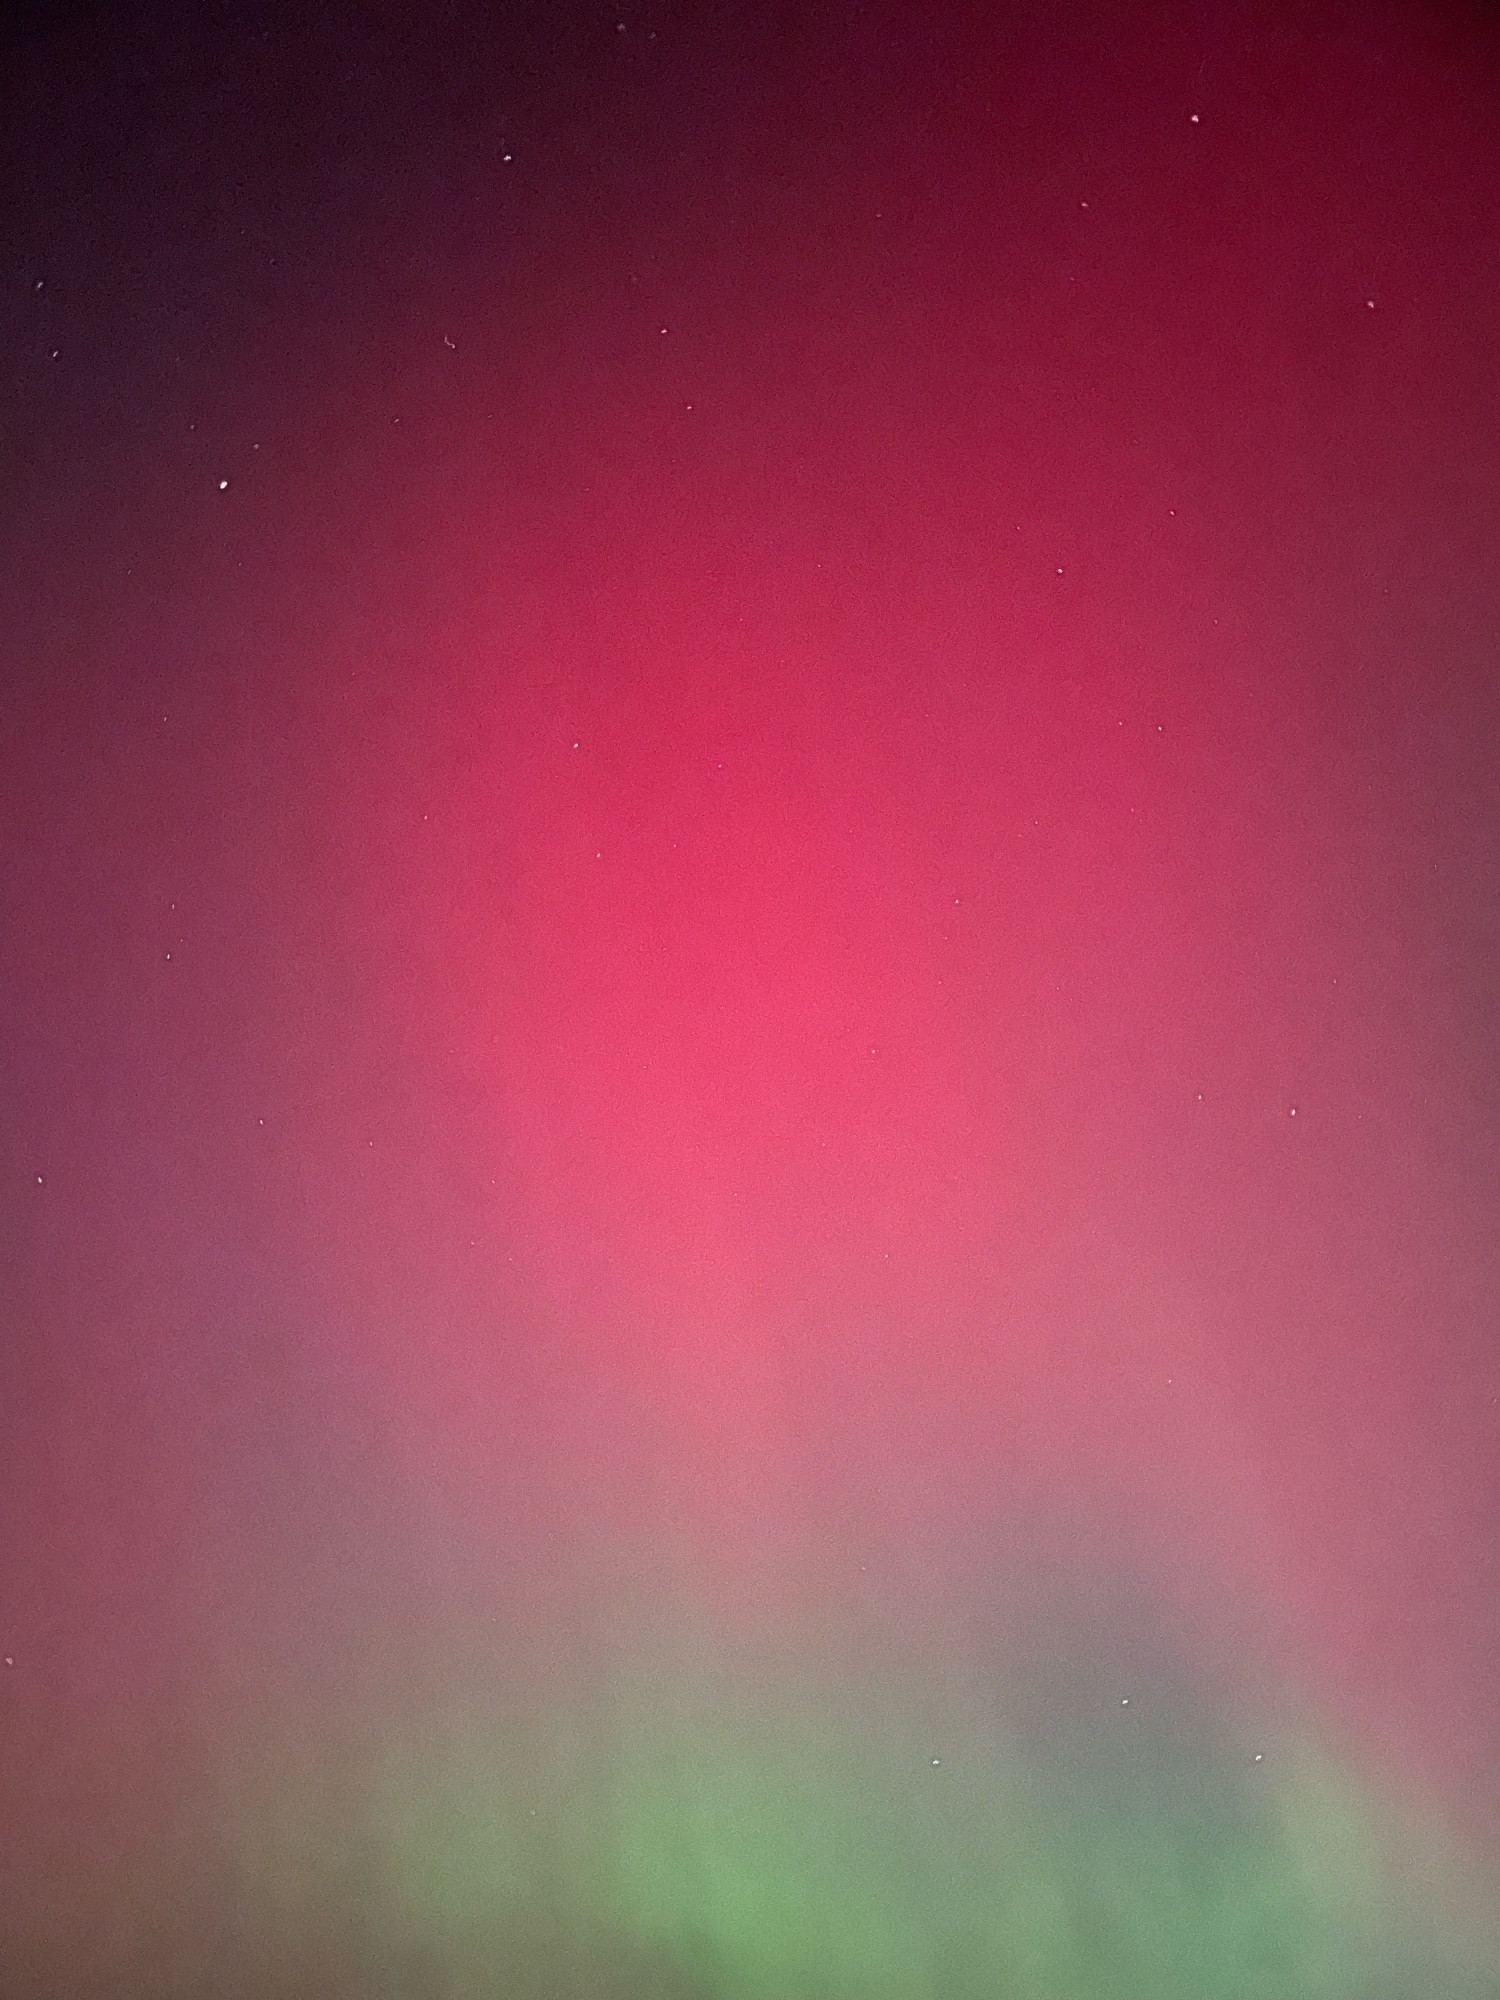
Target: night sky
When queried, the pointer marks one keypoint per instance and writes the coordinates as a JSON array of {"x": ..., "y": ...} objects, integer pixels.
[{"x": 750, "y": 1001}]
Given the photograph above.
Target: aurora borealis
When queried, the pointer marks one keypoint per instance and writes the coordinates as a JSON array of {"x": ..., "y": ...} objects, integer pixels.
[{"x": 750, "y": 764}]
